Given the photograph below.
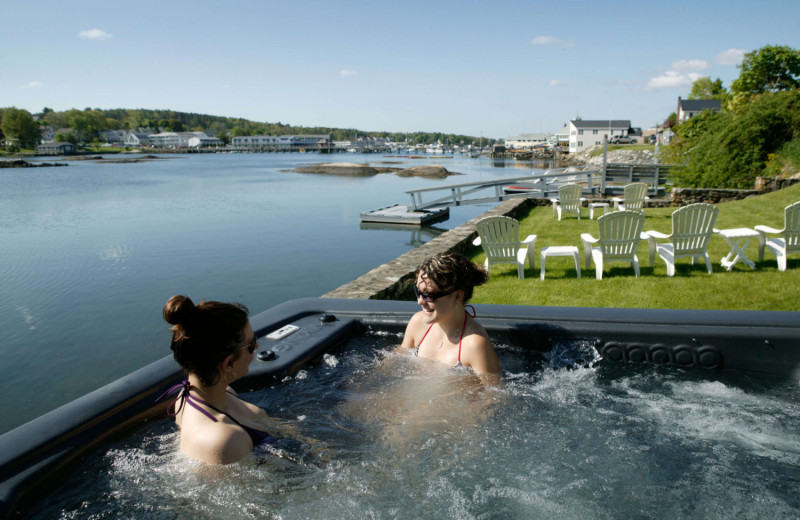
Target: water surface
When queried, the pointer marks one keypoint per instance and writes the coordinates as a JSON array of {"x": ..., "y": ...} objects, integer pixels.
[{"x": 89, "y": 253}]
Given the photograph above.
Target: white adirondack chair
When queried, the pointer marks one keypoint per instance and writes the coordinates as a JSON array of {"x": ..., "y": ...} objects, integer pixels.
[
  {"x": 569, "y": 200},
  {"x": 788, "y": 244},
  {"x": 633, "y": 197},
  {"x": 692, "y": 227},
  {"x": 499, "y": 238},
  {"x": 620, "y": 233}
]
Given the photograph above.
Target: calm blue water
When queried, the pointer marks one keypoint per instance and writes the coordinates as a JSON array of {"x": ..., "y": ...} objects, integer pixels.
[{"x": 90, "y": 253}]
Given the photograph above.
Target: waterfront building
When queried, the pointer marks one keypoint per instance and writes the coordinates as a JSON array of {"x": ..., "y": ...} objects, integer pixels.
[
  {"x": 289, "y": 143},
  {"x": 55, "y": 148},
  {"x": 527, "y": 140},
  {"x": 174, "y": 139},
  {"x": 203, "y": 141},
  {"x": 584, "y": 134}
]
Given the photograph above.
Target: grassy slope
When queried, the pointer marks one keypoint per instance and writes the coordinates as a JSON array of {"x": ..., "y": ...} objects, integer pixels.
[{"x": 766, "y": 288}]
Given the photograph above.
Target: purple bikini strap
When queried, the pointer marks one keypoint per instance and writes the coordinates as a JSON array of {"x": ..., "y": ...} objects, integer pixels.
[{"x": 184, "y": 396}]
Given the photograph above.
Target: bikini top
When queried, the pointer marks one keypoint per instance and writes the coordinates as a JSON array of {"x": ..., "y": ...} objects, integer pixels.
[
  {"x": 257, "y": 436},
  {"x": 460, "y": 339}
]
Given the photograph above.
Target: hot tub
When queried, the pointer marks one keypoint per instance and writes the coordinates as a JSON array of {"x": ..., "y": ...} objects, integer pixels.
[{"x": 691, "y": 367}]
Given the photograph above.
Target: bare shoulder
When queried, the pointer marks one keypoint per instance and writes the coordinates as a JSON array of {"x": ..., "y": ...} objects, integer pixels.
[
  {"x": 478, "y": 352},
  {"x": 215, "y": 443}
]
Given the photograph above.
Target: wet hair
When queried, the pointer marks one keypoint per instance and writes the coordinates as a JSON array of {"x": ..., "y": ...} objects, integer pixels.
[
  {"x": 453, "y": 271},
  {"x": 205, "y": 334}
]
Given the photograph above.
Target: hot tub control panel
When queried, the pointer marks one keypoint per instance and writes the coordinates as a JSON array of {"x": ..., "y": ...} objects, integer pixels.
[{"x": 283, "y": 332}]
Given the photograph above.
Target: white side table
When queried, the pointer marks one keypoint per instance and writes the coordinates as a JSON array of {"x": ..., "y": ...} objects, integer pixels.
[
  {"x": 593, "y": 205},
  {"x": 738, "y": 240},
  {"x": 561, "y": 251}
]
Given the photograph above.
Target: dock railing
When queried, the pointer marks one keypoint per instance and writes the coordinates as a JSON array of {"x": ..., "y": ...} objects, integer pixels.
[
  {"x": 539, "y": 186},
  {"x": 596, "y": 180}
]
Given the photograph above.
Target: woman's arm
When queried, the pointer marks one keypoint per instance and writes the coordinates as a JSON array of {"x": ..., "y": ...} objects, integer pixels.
[{"x": 409, "y": 338}]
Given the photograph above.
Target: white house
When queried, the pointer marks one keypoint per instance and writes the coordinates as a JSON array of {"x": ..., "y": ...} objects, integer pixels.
[
  {"x": 136, "y": 139},
  {"x": 688, "y": 108},
  {"x": 584, "y": 134},
  {"x": 527, "y": 140}
]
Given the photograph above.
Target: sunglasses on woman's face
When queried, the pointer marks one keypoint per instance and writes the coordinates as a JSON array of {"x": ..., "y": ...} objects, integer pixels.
[
  {"x": 253, "y": 345},
  {"x": 431, "y": 297}
]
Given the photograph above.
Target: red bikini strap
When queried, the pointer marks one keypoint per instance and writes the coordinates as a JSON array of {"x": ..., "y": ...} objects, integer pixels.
[{"x": 464, "y": 326}]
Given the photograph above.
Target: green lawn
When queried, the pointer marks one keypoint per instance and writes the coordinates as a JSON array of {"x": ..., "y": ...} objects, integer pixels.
[{"x": 766, "y": 288}]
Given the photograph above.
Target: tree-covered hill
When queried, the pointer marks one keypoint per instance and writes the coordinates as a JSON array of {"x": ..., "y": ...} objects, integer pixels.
[{"x": 90, "y": 122}]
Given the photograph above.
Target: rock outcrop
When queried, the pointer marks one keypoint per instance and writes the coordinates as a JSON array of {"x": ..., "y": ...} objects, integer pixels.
[
  {"x": 438, "y": 172},
  {"x": 365, "y": 170},
  {"x": 349, "y": 169}
]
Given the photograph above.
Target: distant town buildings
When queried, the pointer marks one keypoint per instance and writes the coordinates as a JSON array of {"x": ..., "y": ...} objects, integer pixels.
[{"x": 576, "y": 136}]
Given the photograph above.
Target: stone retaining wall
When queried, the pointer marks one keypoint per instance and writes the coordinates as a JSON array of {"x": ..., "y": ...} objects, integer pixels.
[
  {"x": 684, "y": 196},
  {"x": 393, "y": 280}
]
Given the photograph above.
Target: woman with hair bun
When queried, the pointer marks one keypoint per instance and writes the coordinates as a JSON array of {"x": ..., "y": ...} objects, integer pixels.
[
  {"x": 444, "y": 329},
  {"x": 214, "y": 343}
]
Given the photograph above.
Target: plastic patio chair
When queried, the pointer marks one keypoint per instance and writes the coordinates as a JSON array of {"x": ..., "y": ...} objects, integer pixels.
[
  {"x": 620, "y": 232},
  {"x": 633, "y": 197},
  {"x": 786, "y": 245},
  {"x": 569, "y": 200},
  {"x": 499, "y": 238},
  {"x": 692, "y": 227}
]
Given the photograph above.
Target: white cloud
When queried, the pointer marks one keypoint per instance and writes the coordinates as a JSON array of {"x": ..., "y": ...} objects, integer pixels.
[
  {"x": 730, "y": 57},
  {"x": 555, "y": 82},
  {"x": 35, "y": 84},
  {"x": 552, "y": 40},
  {"x": 94, "y": 34},
  {"x": 689, "y": 65},
  {"x": 673, "y": 78},
  {"x": 345, "y": 73}
]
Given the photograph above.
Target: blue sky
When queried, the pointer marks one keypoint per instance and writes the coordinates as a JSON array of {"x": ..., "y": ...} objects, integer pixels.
[{"x": 471, "y": 67}]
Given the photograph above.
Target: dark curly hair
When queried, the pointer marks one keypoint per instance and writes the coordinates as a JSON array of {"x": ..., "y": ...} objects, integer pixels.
[
  {"x": 205, "y": 334},
  {"x": 453, "y": 271}
]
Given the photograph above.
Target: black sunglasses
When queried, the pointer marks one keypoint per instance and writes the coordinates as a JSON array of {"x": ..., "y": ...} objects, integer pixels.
[
  {"x": 431, "y": 297},
  {"x": 252, "y": 346}
]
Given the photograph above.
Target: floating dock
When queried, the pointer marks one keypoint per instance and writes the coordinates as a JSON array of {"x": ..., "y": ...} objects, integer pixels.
[{"x": 400, "y": 214}]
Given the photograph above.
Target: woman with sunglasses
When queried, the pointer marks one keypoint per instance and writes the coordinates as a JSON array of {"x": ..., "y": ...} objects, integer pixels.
[
  {"x": 214, "y": 343},
  {"x": 445, "y": 329}
]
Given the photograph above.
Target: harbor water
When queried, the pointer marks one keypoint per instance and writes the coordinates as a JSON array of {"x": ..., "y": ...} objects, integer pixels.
[{"x": 90, "y": 252}]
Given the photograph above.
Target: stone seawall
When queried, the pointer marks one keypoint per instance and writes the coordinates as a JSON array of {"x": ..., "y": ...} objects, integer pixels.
[{"x": 393, "y": 280}]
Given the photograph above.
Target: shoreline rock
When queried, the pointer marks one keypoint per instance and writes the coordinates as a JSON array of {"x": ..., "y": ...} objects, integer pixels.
[
  {"x": 438, "y": 172},
  {"x": 348, "y": 169},
  {"x": 365, "y": 170},
  {"x": 19, "y": 163}
]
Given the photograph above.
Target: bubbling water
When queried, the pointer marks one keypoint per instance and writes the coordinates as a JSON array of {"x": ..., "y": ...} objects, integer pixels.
[{"x": 392, "y": 436}]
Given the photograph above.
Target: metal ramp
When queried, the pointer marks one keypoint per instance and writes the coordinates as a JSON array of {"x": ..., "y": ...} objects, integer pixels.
[{"x": 431, "y": 204}]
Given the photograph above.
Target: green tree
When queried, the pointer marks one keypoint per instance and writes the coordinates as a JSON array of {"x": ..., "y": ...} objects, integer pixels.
[
  {"x": 19, "y": 124},
  {"x": 769, "y": 69},
  {"x": 704, "y": 88}
]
